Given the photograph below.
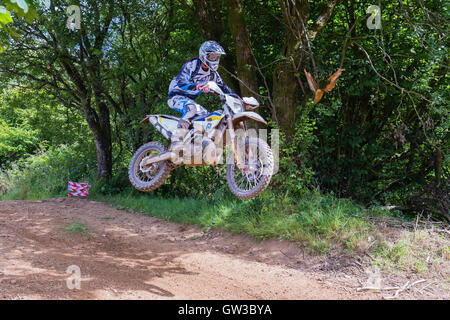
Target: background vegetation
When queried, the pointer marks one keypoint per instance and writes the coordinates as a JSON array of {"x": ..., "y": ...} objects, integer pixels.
[{"x": 71, "y": 102}]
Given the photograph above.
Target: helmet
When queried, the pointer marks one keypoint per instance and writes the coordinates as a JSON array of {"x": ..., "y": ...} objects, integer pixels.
[{"x": 209, "y": 54}]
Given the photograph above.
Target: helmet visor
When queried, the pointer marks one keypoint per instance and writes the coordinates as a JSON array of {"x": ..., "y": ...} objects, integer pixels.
[{"x": 213, "y": 56}]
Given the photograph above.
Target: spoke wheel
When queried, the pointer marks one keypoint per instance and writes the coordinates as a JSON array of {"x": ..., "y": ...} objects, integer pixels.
[
  {"x": 148, "y": 178},
  {"x": 250, "y": 182}
]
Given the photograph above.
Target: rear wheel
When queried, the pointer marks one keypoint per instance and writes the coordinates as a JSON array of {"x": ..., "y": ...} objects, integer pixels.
[
  {"x": 148, "y": 178},
  {"x": 251, "y": 182}
]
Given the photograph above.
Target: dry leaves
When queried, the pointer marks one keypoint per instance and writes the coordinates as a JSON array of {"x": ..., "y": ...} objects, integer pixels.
[{"x": 331, "y": 83}]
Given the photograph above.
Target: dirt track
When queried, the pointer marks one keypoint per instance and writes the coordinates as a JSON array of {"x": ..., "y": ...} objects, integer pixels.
[{"x": 132, "y": 256}]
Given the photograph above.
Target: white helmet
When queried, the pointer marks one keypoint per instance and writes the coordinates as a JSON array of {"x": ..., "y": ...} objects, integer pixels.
[{"x": 209, "y": 54}]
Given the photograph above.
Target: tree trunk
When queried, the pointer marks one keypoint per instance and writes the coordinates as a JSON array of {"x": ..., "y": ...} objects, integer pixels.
[
  {"x": 286, "y": 93},
  {"x": 212, "y": 28},
  {"x": 245, "y": 66},
  {"x": 286, "y": 89},
  {"x": 101, "y": 130},
  {"x": 104, "y": 156},
  {"x": 286, "y": 97}
]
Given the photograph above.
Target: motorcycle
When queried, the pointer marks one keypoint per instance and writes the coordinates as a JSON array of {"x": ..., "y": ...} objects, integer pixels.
[{"x": 250, "y": 162}]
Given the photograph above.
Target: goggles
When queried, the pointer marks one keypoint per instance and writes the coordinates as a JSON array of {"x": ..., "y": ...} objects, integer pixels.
[{"x": 213, "y": 56}]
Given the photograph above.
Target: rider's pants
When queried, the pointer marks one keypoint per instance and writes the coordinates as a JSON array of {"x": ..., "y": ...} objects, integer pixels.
[{"x": 187, "y": 107}]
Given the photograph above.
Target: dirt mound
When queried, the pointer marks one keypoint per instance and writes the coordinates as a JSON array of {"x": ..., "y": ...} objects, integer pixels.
[{"x": 121, "y": 255}]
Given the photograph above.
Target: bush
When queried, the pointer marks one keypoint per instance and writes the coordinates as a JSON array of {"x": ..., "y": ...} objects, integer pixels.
[
  {"x": 15, "y": 142},
  {"x": 46, "y": 173},
  {"x": 295, "y": 175}
]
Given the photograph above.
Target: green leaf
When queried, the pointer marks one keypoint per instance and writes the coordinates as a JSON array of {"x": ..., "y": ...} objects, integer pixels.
[
  {"x": 13, "y": 33},
  {"x": 14, "y": 7},
  {"x": 31, "y": 15},
  {"x": 5, "y": 16}
]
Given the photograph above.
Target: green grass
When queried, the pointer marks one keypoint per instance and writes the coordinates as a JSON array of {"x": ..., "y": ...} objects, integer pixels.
[
  {"x": 317, "y": 221},
  {"x": 420, "y": 251},
  {"x": 77, "y": 227}
]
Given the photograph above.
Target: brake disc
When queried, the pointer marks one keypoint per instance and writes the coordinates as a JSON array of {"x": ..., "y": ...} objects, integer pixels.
[
  {"x": 148, "y": 169},
  {"x": 253, "y": 175}
]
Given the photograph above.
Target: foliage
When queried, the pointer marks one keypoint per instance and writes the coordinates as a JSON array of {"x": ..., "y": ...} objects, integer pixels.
[
  {"x": 31, "y": 122},
  {"x": 296, "y": 175},
  {"x": 23, "y": 9},
  {"x": 15, "y": 142},
  {"x": 46, "y": 173},
  {"x": 380, "y": 137}
]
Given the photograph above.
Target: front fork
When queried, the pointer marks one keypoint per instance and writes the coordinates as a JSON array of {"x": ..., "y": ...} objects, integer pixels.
[{"x": 234, "y": 145}]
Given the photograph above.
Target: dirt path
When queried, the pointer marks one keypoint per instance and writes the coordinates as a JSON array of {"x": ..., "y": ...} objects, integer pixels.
[{"x": 132, "y": 256}]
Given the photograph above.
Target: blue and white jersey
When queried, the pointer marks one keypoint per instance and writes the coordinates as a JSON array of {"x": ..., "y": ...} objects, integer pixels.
[{"x": 192, "y": 74}]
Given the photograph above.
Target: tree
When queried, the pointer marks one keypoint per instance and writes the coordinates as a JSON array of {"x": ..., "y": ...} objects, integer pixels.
[
  {"x": 71, "y": 65},
  {"x": 245, "y": 64},
  {"x": 296, "y": 51},
  {"x": 21, "y": 8},
  {"x": 210, "y": 17}
]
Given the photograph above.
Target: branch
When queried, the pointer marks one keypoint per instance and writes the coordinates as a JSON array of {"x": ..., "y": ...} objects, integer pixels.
[
  {"x": 389, "y": 81},
  {"x": 187, "y": 6},
  {"x": 323, "y": 19},
  {"x": 406, "y": 286}
]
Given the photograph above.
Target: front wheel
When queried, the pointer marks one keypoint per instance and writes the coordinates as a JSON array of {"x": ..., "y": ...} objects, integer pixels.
[
  {"x": 251, "y": 182},
  {"x": 151, "y": 177}
]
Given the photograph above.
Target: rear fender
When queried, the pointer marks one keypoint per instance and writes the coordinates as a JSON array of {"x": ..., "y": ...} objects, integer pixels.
[{"x": 167, "y": 125}]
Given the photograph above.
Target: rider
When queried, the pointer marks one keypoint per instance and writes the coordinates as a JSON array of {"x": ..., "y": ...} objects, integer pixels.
[{"x": 191, "y": 81}]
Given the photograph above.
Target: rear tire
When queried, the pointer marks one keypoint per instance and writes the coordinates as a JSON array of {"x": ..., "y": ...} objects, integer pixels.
[{"x": 158, "y": 173}]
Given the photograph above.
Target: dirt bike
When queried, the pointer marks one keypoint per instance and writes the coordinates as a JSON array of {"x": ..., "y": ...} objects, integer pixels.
[{"x": 250, "y": 162}]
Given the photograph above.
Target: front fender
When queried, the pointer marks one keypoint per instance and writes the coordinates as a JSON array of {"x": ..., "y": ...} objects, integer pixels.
[{"x": 248, "y": 115}]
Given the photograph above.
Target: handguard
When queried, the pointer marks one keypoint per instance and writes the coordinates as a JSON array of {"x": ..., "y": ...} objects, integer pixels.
[{"x": 250, "y": 103}]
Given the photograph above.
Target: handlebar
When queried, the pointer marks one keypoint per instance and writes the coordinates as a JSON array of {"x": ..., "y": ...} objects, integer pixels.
[{"x": 214, "y": 88}]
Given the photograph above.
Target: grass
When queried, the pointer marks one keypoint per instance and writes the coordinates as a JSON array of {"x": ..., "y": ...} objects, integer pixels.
[
  {"x": 318, "y": 222},
  {"x": 422, "y": 251},
  {"x": 77, "y": 227}
]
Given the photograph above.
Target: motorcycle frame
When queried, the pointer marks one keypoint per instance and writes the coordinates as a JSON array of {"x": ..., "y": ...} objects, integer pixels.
[{"x": 228, "y": 122}]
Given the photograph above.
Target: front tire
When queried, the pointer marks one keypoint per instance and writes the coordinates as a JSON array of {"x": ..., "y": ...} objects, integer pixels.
[
  {"x": 246, "y": 184},
  {"x": 154, "y": 176}
]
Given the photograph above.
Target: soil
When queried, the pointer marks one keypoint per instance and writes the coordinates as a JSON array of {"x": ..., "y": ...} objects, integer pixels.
[{"x": 125, "y": 255}]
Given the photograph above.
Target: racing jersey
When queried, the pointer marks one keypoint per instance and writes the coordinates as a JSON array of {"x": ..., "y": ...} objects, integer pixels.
[{"x": 191, "y": 74}]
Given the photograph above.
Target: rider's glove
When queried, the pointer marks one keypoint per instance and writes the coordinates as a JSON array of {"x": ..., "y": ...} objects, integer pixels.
[{"x": 203, "y": 87}]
